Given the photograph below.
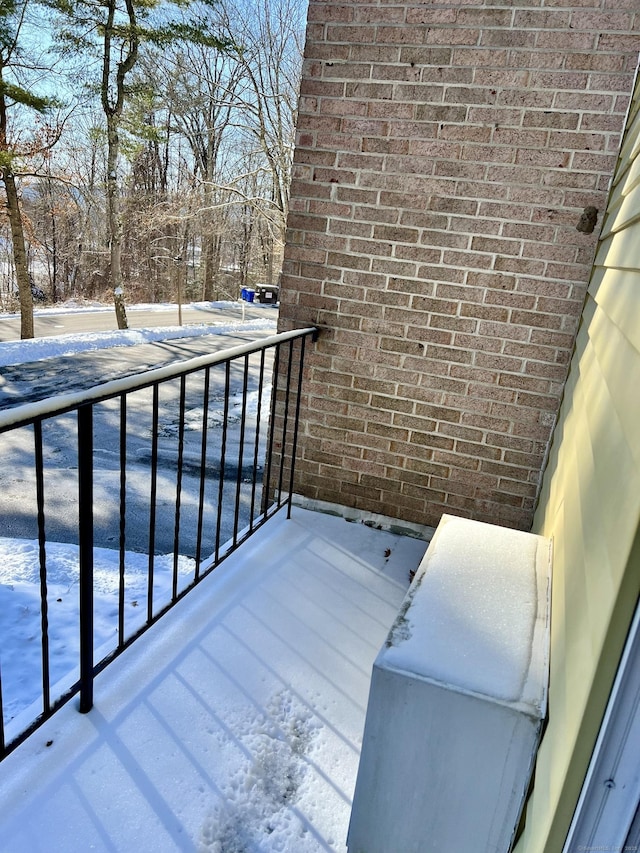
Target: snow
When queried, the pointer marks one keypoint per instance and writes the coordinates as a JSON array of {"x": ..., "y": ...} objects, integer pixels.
[
  {"x": 234, "y": 724},
  {"x": 463, "y": 676},
  {"x": 19, "y": 352},
  {"x": 470, "y": 617},
  {"x": 20, "y": 609}
]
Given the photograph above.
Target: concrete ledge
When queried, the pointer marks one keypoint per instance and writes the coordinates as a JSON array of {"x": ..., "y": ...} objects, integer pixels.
[{"x": 458, "y": 697}]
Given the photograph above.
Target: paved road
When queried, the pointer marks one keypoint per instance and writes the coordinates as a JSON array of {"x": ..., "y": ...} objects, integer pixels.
[
  {"x": 30, "y": 382},
  {"x": 58, "y": 323},
  {"x": 26, "y": 383}
]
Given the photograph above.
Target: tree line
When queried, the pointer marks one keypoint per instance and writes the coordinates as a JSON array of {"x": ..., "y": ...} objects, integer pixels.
[{"x": 145, "y": 148}]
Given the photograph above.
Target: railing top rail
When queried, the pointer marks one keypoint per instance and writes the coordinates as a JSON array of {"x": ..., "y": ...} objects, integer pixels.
[{"x": 30, "y": 412}]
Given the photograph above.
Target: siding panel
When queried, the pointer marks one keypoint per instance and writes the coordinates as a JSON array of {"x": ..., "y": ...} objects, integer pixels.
[{"x": 590, "y": 506}]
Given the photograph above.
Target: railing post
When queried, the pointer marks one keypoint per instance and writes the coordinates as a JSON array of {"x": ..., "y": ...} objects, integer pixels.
[
  {"x": 2, "y": 740},
  {"x": 85, "y": 542},
  {"x": 44, "y": 604},
  {"x": 296, "y": 426}
]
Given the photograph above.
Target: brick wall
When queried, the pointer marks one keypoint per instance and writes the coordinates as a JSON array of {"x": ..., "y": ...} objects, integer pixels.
[{"x": 445, "y": 154}]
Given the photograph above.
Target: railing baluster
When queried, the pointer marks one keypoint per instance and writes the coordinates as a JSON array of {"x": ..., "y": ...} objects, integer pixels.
[
  {"x": 82, "y": 405},
  {"x": 296, "y": 425},
  {"x": 152, "y": 501},
  {"x": 176, "y": 534},
  {"x": 123, "y": 517},
  {"x": 287, "y": 394},
  {"x": 243, "y": 422},
  {"x": 85, "y": 540},
  {"x": 272, "y": 426},
  {"x": 3, "y": 745},
  {"x": 223, "y": 454},
  {"x": 256, "y": 449},
  {"x": 42, "y": 554},
  {"x": 203, "y": 469}
]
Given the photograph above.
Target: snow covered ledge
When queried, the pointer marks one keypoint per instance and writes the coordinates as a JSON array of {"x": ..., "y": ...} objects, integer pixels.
[{"x": 458, "y": 697}]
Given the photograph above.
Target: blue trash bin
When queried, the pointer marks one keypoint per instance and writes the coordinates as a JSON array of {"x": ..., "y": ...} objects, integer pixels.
[{"x": 250, "y": 294}]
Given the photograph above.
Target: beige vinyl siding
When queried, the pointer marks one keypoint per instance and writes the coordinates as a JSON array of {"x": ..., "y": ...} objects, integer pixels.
[{"x": 590, "y": 507}]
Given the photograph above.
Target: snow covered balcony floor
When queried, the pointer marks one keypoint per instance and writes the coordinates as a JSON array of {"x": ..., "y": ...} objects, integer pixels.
[{"x": 235, "y": 723}]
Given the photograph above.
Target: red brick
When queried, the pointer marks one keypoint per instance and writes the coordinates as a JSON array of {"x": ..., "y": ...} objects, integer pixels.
[{"x": 452, "y": 157}]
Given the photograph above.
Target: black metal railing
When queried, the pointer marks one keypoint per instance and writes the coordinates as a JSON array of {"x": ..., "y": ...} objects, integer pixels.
[{"x": 170, "y": 470}]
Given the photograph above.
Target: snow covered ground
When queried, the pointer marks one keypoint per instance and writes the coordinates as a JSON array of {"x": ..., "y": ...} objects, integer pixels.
[
  {"x": 19, "y": 563},
  {"x": 234, "y": 724},
  {"x": 19, "y": 352}
]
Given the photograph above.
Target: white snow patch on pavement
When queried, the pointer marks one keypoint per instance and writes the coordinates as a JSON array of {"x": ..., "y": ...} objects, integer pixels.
[{"x": 19, "y": 352}]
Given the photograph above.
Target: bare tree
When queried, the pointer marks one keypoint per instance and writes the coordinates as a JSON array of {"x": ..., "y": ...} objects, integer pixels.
[
  {"x": 16, "y": 148},
  {"x": 124, "y": 27},
  {"x": 185, "y": 151},
  {"x": 202, "y": 92},
  {"x": 271, "y": 35}
]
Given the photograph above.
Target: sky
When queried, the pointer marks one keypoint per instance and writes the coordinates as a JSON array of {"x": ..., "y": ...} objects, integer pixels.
[{"x": 239, "y": 735}]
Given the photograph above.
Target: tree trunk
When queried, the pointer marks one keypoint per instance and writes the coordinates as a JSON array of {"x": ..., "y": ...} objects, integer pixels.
[
  {"x": 209, "y": 268},
  {"x": 181, "y": 271},
  {"x": 19, "y": 255},
  {"x": 245, "y": 246},
  {"x": 115, "y": 222},
  {"x": 209, "y": 254},
  {"x": 113, "y": 112},
  {"x": 17, "y": 231}
]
